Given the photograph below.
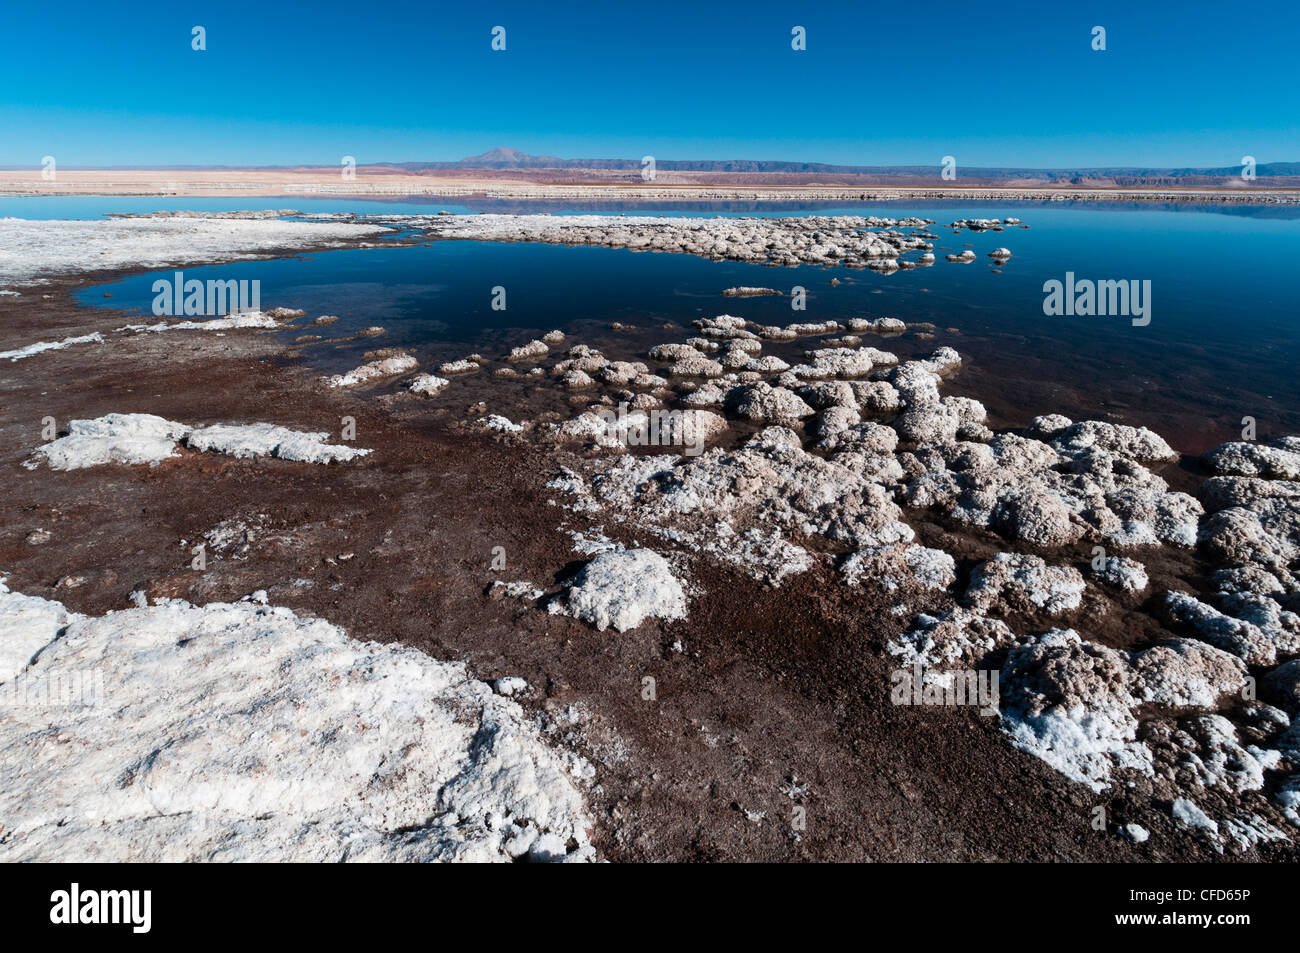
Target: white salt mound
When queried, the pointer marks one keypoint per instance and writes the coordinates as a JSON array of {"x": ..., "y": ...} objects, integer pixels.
[
  {"x": 623, "y": 588},
  {"x": 27, "y": 625},
  {"x": 29, "y": 249},
  {"x": 146, "y": 438},
  {"x": 113, "y": 438},
  {"x": 241, "y": 732},
  {"x": 428, "y": 384},
  {"x": 233, "y": 322},
  {"x": 42, "y": 346},
  {"x": 268, "y": 440},
  {"x": 375, "y": 370}
]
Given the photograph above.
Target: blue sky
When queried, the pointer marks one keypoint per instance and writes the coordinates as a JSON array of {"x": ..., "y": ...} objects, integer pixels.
[{"x": 879, "y": 84}]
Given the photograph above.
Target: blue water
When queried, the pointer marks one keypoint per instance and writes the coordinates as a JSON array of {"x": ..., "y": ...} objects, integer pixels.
[{"x": 1222, "y": 342}]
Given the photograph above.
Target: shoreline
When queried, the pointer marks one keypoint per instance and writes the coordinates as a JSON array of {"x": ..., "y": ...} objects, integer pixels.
[{"x": 187, "y": 183}]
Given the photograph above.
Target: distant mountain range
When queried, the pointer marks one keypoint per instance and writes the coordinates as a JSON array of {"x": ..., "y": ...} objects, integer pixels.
[
  {"x": 505, "y": 163},
  {"x": 506, "y": 158}
]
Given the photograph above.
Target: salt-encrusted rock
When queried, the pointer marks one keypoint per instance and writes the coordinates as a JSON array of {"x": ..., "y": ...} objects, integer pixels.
[
  {"x": 691, "y": 429},
  {"x": 747, "y": 292},
  {"x": 1001, "y": 254},
  {"x": 1047, "y": 426},
  {"x": 867, "y": 438},
  {"x": 1067, "y": 702},
  {"x": 895, "y": 567},
  {"x": 695, "y": 367},
  {"x": 670, "y": 353},
  {"x": 833, "y": 420},
  {"x": 928, "y": 423},
  {"x": 1272, "y": 462},
  {"x": 1204, "y": 751},
  {"x": 968, "y": 410},
  {"x": 1021, "y": 583},
  {"x": 1127, "y": 574},
  {"x": 576, "y": 380},
  {"x": 375, "y": 370},
  {"x": 1135, "y": 833},
  {"x": 966, "y": 255},
  {"x": 553, "y": 338},
  {"x": 1255, "y": 641},
  {"x": 286, "y": 314},
  {"x": 710, "y": 394},
  {"x": 113, "y": 438},
  {"x": 841, "y": 361},
  {"x": 464, "y": 366},
  {"x": 767, "y": 364},
  {"x": 1186, "y": 673},
  {"x": 1191, "y": 817},
  {"x": 958, "y": 639},
  {"x": 763, "y": 403},
  {"x": 519, "y": 589},
  {"x": 815, "y": 327},
  {"x": 268, "y": 440},
  {"x": 853, "y": 241},
  {"x": 529, "y": 352},
  {"x": 623, "y": 588},
  {"x": 769, "y": 333},
  {"x": 877, "y": 397},
  {"x": 241, "y": 732},
  {"x": 878, "y": 325},
  {"x": 771, "y": 479},
  {"x": 510, "y": 685},
  {"x": 428, "y": 385},
  {"x": 1134, "y": 443},
  {"x": 1036, "y": 517},
  {"x": 824, "y": 394},
  {"x": 500, "y": 424},
  {"x": 622, "y": 373},
  {"x": 734, "y": 358},
  {"x": 724, "y": 327},
  {"x": 580, "y": 357}
]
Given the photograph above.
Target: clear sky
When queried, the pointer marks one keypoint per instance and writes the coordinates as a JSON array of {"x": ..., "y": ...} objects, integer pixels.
[{"x": 1012, "y": 83}]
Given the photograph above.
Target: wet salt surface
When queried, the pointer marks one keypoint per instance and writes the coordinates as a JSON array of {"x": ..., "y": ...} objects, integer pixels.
[{"x": 1219, "y": 347}]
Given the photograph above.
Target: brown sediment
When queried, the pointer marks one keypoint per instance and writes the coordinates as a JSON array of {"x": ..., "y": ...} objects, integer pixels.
[{"x": 772, "y": 688}]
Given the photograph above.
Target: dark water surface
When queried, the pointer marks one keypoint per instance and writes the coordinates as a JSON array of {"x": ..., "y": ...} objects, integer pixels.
[{"x": 1222, "y": 342}]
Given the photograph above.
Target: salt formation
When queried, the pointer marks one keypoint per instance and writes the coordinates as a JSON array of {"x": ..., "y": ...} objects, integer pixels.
[
  {"x": 41, "y": 347},
  {"x": 375, "y": 370},
  {"x": 145, "y": 438},
  {"x": 853, "y": 432},
  {"x": 242, "y": 732},
  {"x": 852, "y": 241},
  {"x": 31, "y": 249},
  {"x": 623, "y": 588}
]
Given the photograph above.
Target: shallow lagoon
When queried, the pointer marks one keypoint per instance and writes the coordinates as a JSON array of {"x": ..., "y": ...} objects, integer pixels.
[{"x": 1221, "y": 345}]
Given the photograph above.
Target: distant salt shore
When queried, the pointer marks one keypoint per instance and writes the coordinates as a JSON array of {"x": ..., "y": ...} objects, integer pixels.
[
  {"x": 36, "y": 249},
  {"x": 668, "y": 188}
]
